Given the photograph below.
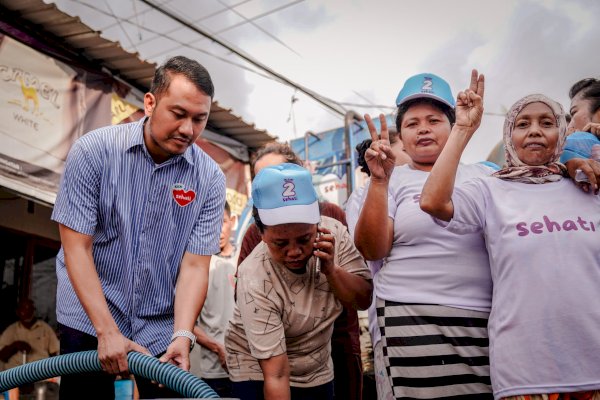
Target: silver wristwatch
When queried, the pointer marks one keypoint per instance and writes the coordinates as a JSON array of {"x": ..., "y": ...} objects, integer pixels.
[{"x": 187, "y": 334}]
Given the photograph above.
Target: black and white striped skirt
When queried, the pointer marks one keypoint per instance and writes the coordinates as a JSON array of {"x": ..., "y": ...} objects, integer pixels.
[{"x": 435, "y": 352}]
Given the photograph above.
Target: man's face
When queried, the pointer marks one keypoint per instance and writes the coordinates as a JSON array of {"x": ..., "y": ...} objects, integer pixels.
[
  {"x": 581, "y": 113},
  {"x": 25, "y": 312},
  {"x": 176, "y": 118}
]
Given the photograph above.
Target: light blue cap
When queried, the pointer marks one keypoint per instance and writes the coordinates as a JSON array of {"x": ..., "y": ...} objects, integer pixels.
[
  {"x": 284, "y": 194},
  {"x": 426, "y": 86}
]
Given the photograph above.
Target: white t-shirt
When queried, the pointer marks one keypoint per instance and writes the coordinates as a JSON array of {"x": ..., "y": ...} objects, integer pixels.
[
  {"x": 427, "y": 264},
  {"x": 544, "y": 246},
  {"x": 215, "y": 315},
  {"x": 353, "y": 207}
]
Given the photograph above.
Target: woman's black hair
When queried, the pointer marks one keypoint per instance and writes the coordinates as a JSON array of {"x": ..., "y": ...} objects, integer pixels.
[
  {"x": 257, "y": 221},
  {"x": 403, "y": 108},
  {"x": 590, "y": 90},
  {"x": 361, "y": 148}
]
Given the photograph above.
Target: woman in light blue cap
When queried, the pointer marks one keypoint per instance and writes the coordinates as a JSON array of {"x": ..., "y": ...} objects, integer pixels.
[
  {"x": 433, "y": 292},
  {"x": 290, "y": 290}
]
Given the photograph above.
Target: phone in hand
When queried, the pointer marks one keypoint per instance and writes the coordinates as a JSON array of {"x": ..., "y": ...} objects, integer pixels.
[{"x": 580, "y": 176}]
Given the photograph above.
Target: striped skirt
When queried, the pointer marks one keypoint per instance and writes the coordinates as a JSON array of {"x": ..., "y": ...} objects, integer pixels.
[{"x": 435, "y": 352}]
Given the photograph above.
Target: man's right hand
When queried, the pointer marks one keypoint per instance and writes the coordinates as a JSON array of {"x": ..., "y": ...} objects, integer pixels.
[
  {"x": 112, "y": 352},
  {"x": 20, "y": 345}
]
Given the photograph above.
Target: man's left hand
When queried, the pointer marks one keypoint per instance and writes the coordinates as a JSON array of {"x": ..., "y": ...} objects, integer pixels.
[{"x": 178, "y": 353}]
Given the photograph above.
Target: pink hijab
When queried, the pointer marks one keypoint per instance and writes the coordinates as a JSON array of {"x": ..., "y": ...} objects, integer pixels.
[{"x": 516, "y": 170}]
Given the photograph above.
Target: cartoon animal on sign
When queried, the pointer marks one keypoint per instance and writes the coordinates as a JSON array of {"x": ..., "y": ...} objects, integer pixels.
[{"x": 29, "y": 93}]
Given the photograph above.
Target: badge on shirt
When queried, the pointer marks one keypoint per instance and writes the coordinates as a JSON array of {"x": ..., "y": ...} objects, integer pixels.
[{"x": 181, "y": 196}]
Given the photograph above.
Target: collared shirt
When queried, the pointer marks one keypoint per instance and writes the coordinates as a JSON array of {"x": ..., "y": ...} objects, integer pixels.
[
  {"x": 143, "y": 217},
  {"x": 40, "y": 337}
]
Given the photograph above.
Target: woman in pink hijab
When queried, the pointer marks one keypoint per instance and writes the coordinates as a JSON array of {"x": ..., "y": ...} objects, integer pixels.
[{"x": 542, "y": 234}]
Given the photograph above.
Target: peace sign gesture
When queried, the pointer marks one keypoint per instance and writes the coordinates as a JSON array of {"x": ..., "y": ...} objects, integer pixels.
[
  {"x": 469, "y": 104},
  {"x": 379, "y": 157}
]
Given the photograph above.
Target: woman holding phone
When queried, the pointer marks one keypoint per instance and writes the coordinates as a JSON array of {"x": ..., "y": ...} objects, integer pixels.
[{"x": 290, "y": 290}]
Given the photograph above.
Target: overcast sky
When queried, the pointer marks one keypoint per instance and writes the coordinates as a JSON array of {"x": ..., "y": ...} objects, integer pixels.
[{"x": 362, "y": 51}]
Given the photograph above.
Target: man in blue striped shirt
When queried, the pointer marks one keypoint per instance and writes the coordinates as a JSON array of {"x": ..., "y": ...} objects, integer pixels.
[{"x": 140, "y": 213}]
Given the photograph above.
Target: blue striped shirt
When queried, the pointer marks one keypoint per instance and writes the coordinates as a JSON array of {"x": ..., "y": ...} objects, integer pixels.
[{"x": 142, "y": 217}]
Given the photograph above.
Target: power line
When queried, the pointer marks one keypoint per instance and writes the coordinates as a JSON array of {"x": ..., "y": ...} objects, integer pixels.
[
  {"x": 230, "y": 27},
  {"x": 251, "y": 21},
  {"x": 120, "y": 25},
  {"x": 333, "y": 107},
  {"x": 159, "y": 34}
]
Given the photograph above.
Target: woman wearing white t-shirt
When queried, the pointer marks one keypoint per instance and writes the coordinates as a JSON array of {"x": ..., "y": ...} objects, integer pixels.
[
  {"x": 433, "y": 292},
  {"x": 542, "y": 235}
]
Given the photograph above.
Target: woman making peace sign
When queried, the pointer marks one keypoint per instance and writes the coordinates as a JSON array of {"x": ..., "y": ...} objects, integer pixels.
[
  {"x": 542, "y": 234},
  {"x": 434, "y": 289}
]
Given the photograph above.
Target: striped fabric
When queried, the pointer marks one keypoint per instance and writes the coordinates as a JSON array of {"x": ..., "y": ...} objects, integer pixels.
[
  {"x": 113, "y": 191},
  {"x": 435, "y": 352}
]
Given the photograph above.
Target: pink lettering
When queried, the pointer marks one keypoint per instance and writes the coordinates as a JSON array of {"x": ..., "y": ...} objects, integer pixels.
[
  {"x": 182, "y": 197},
  {"x": 581, "y": 223},
  {"x": 537, "y": 228},
  {"x": 522, "y": 230},
  {"x": 550, "y": 226},
  {"x": 569, "y": 225}
]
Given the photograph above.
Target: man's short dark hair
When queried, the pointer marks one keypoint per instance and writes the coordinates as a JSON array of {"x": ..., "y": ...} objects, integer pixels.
[
  {"x": 447, "y": 110},
  {"x": 227, "y": 208},
  {"x": 589, "y": 89},
  {"x": 282, "y": 149},
  {"x": 181, "y": 65}
]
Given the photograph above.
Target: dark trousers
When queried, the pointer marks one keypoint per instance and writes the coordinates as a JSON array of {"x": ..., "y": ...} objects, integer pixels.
[
  {"x": 254, "y": 390},
  {"x": 97, "y": 385},
  {"x": 348, "y": 374},
  {"x": 222, "y": 386}
]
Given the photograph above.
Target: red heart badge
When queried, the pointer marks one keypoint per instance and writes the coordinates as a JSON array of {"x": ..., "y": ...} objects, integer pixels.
[{"x": 181, "y": 196}]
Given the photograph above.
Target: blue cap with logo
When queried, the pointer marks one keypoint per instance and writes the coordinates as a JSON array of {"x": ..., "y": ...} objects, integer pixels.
[
  {"x": 426, "y": 86},
  {"x": 284, "y": 194}
]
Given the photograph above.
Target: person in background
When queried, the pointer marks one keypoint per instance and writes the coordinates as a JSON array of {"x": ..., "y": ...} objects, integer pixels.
[
  {"x": 584, "y": 127},
  {"x": 208, "y": 360},
  {"x": 139, "y": 209},
  {"x": 585, "y": 106},
  {"x": 345, "y": 341},
  {"x": 542, "y": 235},
  {"x": 353, "y": 206},
  {"x": 434, "y": 290},
  {"x": 27, "y": 340},
  {"x": 290, "y": 289}
]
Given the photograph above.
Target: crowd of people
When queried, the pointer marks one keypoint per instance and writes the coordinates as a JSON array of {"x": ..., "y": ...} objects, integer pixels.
[{"x": 480, "y": 280}]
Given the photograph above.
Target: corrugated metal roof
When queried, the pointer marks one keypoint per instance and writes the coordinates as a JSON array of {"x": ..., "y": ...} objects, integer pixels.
[{"x": 127, "y": 66}]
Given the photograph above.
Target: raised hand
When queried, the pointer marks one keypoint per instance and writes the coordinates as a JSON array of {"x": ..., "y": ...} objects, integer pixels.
[
  {"x": 469, "y": 104},
  {"x": 379, "y": 157},
  {"x": 593, "y": 128},
  {"x": 324, "y": 248}
]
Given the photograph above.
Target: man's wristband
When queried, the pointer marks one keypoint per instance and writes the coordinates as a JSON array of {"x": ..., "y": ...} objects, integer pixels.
[{"x": 187, "y": 334}]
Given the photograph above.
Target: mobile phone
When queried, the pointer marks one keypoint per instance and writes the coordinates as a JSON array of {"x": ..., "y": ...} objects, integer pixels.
[
  {"x": 580, "y": 176},
  {"x": 318, "y": 260}
]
